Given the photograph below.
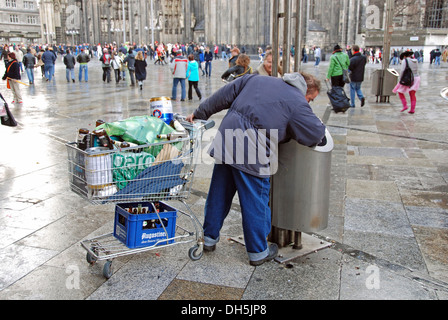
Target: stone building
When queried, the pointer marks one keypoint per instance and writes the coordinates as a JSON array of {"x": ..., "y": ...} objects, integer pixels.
[
  {"x": 240, "y": 22},
  {"x": 19, "y": 21}
]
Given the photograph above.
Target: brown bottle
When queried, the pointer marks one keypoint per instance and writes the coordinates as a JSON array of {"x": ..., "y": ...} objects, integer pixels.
[
  {"x": 104, "y": 139},
  {"x": 99, "y": 122},
  {"x": 81, "y": 141}
]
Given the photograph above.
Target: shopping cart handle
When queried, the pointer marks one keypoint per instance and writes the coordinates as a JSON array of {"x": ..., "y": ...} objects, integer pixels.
[{"x": 207, "y": 124}]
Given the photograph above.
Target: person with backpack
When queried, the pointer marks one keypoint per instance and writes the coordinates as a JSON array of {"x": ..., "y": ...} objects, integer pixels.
[
  {"x": 339, "y": 62},
  {"x": 106, "y": 59},
  {"x": 403, "y": 88}
]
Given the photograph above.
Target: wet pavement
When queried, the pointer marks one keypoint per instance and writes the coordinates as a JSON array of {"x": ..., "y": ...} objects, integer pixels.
[{"x": 388, "y": 224}]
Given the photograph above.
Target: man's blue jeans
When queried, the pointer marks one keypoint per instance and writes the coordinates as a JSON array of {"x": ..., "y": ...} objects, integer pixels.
[
  {"x": 317, "y": 61},
  {"x": 30, "y": 74},
  {"x": 208, "y": 68},
  {"x": 49, "y": 70},
  {"x": 253, "y": 194},
  {"x": 355, "y": 88},
  {"x": 174, "y": 91},
  {"x": 70, "y": 74},
  {"x": 85, "y": 69}
]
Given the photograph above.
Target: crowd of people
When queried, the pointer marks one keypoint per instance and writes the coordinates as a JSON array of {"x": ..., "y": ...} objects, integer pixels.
[
  {"x": 187, "y": 61},
  {"x": 116, "y": 61}
]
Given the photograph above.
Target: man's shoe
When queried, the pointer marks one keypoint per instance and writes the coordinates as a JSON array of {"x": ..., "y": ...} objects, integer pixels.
[
  {"x": 273, "y": 252},
  {"x": 209, "y": 248},
  {"x": 73, "y": 80},
  {"x": 363, "y": 102}
]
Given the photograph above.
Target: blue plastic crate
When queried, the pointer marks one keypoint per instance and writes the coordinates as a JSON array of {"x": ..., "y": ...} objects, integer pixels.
[{"x": 143, "y": 230}]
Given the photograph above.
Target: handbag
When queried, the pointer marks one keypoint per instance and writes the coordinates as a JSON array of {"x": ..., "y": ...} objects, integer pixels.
[
  {"x": 407, "y": 78},
  {"x": 8, "y": 119},
  {"x": 345, "y": 74}
]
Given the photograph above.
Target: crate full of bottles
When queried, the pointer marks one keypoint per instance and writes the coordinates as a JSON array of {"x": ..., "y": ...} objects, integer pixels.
[{"x": 143, "y": 224}]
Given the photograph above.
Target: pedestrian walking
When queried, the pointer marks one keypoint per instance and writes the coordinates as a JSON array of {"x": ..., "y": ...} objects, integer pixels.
[
  {"x": 12, "y": 73},
  {"x": 357, "y": 67},
  {"x": 40, "y": 63},
  {"x": 129, "y": 60},
  {"x": 69, "y": 61},
  {"x": 140, "y": 69},
  {"x": 19, "y": 56},
  {"x": 83, "y": 59},
  {"x": 179, "y": 68},
  {"x": 116, "y": 66},
  {"x": 106, "y": 59},
  {"x": 49, "y": 59},
  {"x": 408, "y": 60},
  {"x": 29, "y": 61},
  {"x": 216, "y": 51},
  {"x": 255, "y": 105},
  {"x": 317, "y": 56},
  {"x": 208, "y": 58},
  {"x": 339, "y": 61},
  {"x": 193, "y": 77},
  {"x": 4, "y": 54}
]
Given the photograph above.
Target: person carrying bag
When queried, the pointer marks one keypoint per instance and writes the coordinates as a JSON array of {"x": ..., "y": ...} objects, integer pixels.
[
  {"x": 7, "y": 119},
  {"x": 409, "y": 80}
]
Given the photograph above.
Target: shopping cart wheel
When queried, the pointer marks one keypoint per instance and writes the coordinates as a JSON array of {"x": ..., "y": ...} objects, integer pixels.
[
  {"x": 90, "y": 259},
  {"x": 107, "y": 270},
  {"x": 194, "y": 254}
]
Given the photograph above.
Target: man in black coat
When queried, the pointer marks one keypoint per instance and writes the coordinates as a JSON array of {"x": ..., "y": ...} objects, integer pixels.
[
  {"x": 357, "y": 67},
  {"x": 29, "y": 60},
  {"x": 69, "y": 61}
]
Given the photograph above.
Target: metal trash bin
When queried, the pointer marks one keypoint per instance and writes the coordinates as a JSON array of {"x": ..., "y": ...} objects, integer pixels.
[
  {"x": 382, "y": 86},
  {"x": 300, "y": 189}
]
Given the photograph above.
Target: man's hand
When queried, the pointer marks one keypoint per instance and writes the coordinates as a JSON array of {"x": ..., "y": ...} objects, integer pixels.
[{"x": 190, "y": 118}]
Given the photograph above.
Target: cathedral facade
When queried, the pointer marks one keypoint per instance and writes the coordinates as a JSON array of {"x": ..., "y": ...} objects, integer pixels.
[{"x": 241, "y": 22}]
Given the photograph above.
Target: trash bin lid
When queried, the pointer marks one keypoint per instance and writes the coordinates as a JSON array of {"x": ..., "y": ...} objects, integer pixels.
[
  {"x": 444, "y": 93},
  {"x": 394, "y": 72},
  {"x": 328, "y": 146}
]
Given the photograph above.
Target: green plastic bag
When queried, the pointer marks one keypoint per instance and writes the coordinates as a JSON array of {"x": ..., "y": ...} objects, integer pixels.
[
  {"x": 127, "y": 165},
  {"x": 140, "y": 130}
]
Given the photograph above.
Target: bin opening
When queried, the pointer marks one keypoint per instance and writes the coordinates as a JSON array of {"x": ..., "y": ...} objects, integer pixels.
[{"x": 323, "y": 142}]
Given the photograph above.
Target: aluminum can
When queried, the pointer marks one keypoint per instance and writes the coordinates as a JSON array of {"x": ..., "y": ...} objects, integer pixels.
[{"x": 162, "y": 108}]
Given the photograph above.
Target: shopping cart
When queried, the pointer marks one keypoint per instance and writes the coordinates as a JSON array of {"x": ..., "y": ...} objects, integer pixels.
[{"x": 140, "y": 180}]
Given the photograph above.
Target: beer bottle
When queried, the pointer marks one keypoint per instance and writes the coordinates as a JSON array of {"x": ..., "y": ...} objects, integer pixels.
[
  {"x": 103, "y": 138},
  {"x": 173, "y": 136},
  {"x": 124, "y": 144},
  {"x": 81, "y": 141},
  {"x": 99, "y": 122}
]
